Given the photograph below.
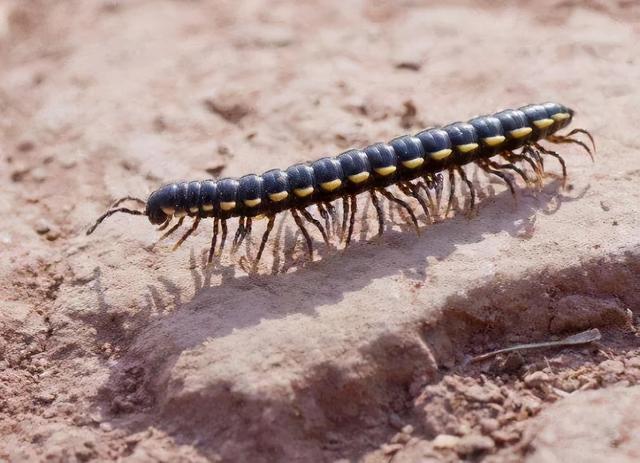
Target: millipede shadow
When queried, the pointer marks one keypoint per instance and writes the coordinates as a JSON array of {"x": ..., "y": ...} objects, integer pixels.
[{"x": 250, "y": 298}]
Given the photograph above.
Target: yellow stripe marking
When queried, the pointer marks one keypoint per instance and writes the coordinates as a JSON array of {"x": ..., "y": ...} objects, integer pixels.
[
  {"x": 521, "y": 132},
  {"x": 193, "y": 210},
  {"x": 413, "y": 163},
  {"x": 441, "y": 154},
  {"x": 332, "y": 185},
  {"x": 252, "y": 202},
  {"x": 168, "y": 210},
  {"x": 543, "y": 123},
  {"x": 495, "y": 140},
  {"x": 179, "y": 214},
  {"x": 227, "y": 205},
  {"x": 384, "y": 171},
  {"x": 467, "y": 147},
  {"x": 259, "y": 217},
  {"x": 359, "y": 178},
  {"x": 302, "y": 192},
  {"x": 560, "y": 116},
  {"x": 207, "y": 207},
  {"x": 275, "y": 197}
]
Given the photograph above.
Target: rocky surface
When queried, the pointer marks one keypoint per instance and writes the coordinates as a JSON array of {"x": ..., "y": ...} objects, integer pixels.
[{"x": 113, "y": 350}]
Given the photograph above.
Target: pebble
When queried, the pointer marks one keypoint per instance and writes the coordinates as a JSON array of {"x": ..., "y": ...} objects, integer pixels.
[
  {"x": 408, "y": 429},
  {"x": 489, "y": 425},
  {"x": 39, "y": 174},
  {"x": 614, "y": 366},
  {"x": 41, "y": 227},
  {"x": 388, "y": 449},
  {"x": 483, "y": 394},
  {"x": 474, "y": 443},
  {"x": 633, "y": 362},
  {"x": 445, "y": 441},
  {"x": 501, "y": 436},
  {"x": 536, "y": 378}
]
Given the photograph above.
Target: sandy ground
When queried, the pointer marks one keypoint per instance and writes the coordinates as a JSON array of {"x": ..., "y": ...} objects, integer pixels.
[{"x": 112, "y": 351}]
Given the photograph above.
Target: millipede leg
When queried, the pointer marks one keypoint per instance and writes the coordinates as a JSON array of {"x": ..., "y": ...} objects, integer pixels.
[
  {"x": 246, "y": 231},
  {"x": 559, "y": 158},
  {"x": 345, "y": 216},
  {"x": 170, "y": 231},
  {"x": 317, "y": 224},
  {"x": 585, "y": 132},
  {"x": 414, "y": 191},
  {"x": 304, "y": 231},
  {"x": 439, "y": 188},
  {"x": 196, "y": 222},
  {"x": 379, "y": 212},
  {"x": 325, "y": 216},
  {"x": 536, "y": 155},
  {"x": 504, "y": 178},
  {"x": 566, "y": 139},
  {"x": 387, "y": 194},
  {"x": 239, "y": 233},
  {"x": 265, "y": 237},
  {"x": 247, "y": 234},
  {"x": 472, "y": 190},
  {"x": 352, "y": 219},
  {"x": 512, "y": 167},
  {"x": 224, "y": 235},
  {"x": 452, "y": 192},
  {"x": 510, "y": 155},
  {"x": 332, "y": 214},
  {"x": 214, "y": 238},
  {"x": 165, "y": 224},
  {"x": 426, "y": 185}
]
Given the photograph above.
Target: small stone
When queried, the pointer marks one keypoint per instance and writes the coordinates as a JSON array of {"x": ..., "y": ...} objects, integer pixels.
[
  {"x": 53, "y": 235},
  {"x": 45, "y": 397},
  {"x": 605, "y": 205},
  {"x": 613, "y": 366},
  {"x": 633, "y": 362},
  {"x": 408, "y": 429},
  {"x": 502, "y": 437},
  {"x": 569, "y": 384},
  {"x": 39, "y": 174},
  {"x": 41, "y": 227},
  {"x": 489, "y": 425},
  {"x": 483, "y": 394},
  {"x": 536, "y": 379},
  {"x": 445, "y": 441},
  {"x": 531, "y": 405},
  {"x": 389, "y": 449},
  {"x": 474, "y": 443},
  {"x": 106, "y": 427}
]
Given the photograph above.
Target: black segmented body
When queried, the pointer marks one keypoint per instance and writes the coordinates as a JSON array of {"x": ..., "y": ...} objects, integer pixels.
[
  {"x": 412, "y": 162},
  {"x": 309, "y": 183}
]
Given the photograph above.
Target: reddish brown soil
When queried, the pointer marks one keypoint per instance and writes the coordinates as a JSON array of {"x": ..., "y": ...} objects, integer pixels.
[{"x": 111, "y": 350}]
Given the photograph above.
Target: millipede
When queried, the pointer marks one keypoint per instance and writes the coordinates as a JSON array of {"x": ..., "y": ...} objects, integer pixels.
[{"x": 506, "y": 145}]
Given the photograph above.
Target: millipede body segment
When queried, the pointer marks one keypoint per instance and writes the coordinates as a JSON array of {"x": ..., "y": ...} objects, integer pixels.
[{"x": 413, "y": 163}]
